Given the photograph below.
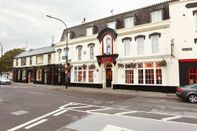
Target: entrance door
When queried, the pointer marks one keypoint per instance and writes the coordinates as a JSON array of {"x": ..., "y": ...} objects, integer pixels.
[{"x": 108, "y": 75}]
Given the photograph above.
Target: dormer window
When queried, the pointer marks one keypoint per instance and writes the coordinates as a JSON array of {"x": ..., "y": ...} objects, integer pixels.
[
  {"x": 64, "y": 36},
  {"x": 129, "y": 22},
  {"x": 112, "y": 25},
  {"x": 156, "y": 16},
  {"x": 89, "y": 31}
]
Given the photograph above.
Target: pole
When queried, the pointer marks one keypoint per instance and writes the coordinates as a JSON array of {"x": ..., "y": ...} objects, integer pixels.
[
  {"x": 1, "y": 58},
  {"x": 66, "y": 53}
]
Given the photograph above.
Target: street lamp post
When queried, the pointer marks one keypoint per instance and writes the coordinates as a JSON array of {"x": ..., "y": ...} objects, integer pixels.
[
  {"x": 66, "y": 51},
  {"x": 1, "y": 58}
]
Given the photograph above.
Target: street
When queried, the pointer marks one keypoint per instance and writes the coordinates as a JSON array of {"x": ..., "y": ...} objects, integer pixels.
[{"x": 52, "y": 108}]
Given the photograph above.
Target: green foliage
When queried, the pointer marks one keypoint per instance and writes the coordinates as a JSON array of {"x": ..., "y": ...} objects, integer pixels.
[{"x": 6, "y": 61}]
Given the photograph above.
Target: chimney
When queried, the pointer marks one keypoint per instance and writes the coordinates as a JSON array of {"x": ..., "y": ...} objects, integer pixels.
[{"x": 84, "y": 21}]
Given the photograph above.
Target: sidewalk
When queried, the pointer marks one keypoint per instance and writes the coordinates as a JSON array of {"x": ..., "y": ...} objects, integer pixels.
[{"x": 105, "y": 90}]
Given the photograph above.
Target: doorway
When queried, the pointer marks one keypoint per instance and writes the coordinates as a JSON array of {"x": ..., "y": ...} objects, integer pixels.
[{"x": 108, "y": 75}]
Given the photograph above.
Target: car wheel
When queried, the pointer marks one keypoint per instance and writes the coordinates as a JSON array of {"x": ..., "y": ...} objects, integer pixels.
[{"x": 192, "y": 98}]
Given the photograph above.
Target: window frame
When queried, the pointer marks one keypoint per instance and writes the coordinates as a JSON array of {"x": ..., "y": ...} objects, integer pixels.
[
  {"x": 154, "y": 16},
  {"x": 130, "y": 20}
]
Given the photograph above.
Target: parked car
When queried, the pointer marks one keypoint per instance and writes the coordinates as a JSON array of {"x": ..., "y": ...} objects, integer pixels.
[
  {"x": 188, "y": 92},
  {"x": 4, "y": 80}
]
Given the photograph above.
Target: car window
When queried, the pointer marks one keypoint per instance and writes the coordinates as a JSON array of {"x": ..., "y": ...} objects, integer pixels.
[{"x": 190, "y": 86}]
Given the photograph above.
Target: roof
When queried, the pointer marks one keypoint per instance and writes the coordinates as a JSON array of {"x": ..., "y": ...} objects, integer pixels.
[{"x": 37, "y": 51}]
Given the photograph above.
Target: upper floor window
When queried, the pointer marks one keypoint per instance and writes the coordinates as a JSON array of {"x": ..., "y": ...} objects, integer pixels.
[
  {"x": 156, "y": 16},
  {"x": 89, "y": 31},
  {"x": 195, "y": 14},
  {"x": 30, "y": 60},
  {"x": 155, "y": 44},
  {"x": 107, "y": 44},
  {"x": 59, "y": 52},
  {"x": 91, "y": 51},
  {"x": 23, "y": 61},
  {"x": 49, "y": 58},
  {"x": 127, "y": 43},
  {"x": 79, "y": 52},
  {"x": 65, "y": 36},
  {"x": 39, "y": 59},
  {"x": 16, "y": 62},
  {"x": 129, "y": 22},
  {"x": 112, "y": 25},
  {"x": 140, "y": 46}
]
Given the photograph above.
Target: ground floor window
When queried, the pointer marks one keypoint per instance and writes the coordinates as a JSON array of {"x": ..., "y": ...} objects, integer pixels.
[
  {"x": 19, "y": 75},
  {"x": 129, "y": 74},
  {"x": 38, "y": 75},
  {"x": 24, "y": 75},
  {"x": 149, "y": 73},
  {"x": 80, "y": 74}
]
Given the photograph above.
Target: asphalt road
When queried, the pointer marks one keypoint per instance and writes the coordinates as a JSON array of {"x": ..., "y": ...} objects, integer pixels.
[{"x": 26, "y": 107}]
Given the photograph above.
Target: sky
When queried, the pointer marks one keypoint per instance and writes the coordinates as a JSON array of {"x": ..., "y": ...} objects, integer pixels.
[{"x": 23, "y": 23}]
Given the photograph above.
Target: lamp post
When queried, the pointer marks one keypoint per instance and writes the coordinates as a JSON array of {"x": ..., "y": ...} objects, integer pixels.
[
  {"x": 1, "y": 58},
  {"x": 66, "y": 50}
]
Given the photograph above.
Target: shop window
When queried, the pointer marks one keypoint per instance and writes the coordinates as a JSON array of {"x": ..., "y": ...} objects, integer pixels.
[
  {"x": 75, "y": 74},
  {"x": 156, "y": 16},
  {"x": 19, "y": 75},
  {"x": 129, "y": 22},
  {"x": 129, "y": 76},
  {"x": 158, "y": 76},
  {"x": 79, "y": 74},
  {"x": 91, "y": 74},
  {"x": 192, "y": 73},
  {"x": 24, "y": 75},
  {"x": 149, "y": 76},
  {"x": 38, "y": 75}
]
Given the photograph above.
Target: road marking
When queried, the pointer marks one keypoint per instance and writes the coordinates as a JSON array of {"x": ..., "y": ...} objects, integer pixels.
[
  {"x": 80, "y": 107},
  {"x": 34, "y": 120},
  {"x": 18, "y": 113},
  {"x": 59, "y": 113},
  {"x": 123, "y": 113},
  {"x": 37, "y": 123},
  {"x": 98, "y": 110},
  {"x": 171, "y": 118},
  {"x": 115, "y": 128}
]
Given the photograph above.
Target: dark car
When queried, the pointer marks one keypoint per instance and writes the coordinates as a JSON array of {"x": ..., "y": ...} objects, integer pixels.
[
  {"x": 188, "y": 92},
  {"x": 5, "y": 81}
]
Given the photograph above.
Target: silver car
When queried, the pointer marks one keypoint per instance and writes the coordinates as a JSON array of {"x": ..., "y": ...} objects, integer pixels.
[{"x": 5, "y": 81}]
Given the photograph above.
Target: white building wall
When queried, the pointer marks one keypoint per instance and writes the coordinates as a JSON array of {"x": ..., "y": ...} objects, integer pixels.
[{"x": 183, "y": 29}]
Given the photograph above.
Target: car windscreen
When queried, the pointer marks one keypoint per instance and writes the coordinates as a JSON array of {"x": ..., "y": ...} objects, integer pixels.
[{"x": 190, "y": 86}]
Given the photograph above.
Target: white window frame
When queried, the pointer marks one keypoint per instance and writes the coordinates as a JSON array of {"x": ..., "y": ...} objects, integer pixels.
[
  {"x": 91, "y": 52},
  {"x": 89, "y": 31},
  {"x": 127, "y": 47},
  {"x": 79, "y": 53},
  {"x": 157, "y": 16},
  {"x": 59, "y": 54},
  {"x": 195, "y": 15},
  {"x": 129, "y": 22},
  {"x": 155, "y": 44},
  {"x": 140, "y": 46},
  {"x": 112, "y": 25}
]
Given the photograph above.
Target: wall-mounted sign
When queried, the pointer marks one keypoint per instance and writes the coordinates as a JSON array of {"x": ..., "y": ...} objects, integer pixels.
[
  {"x": 107, "y": 59},
  {"x": 186, "y": 49}
]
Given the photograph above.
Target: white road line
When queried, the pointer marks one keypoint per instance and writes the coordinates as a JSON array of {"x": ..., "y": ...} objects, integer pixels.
[
  {"x": 122, "y": 113},
  {"x": 98, "y": 110},
  {"x": 64, "y": 106},
  {"x": 37, "y": 123},
  {"x": 59, "y": 113},
  {"x": 80, "y": 107},
  {"x": 171, "y": 118},
  {"x": 34, "y": 120}
]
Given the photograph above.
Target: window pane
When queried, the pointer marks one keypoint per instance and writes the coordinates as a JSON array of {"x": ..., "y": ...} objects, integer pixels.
[
  {"x": 126, "y": 47},
  {"x": 129, "y": 76},
  {"x": 129, "y": 22},
  {"x": 149, "y": 76},
  {"x": 140, "y": 76},
  {"x": 89, "y": 31},
  {"x": 158, "y": 76},
  {"x": 155, "y": 44},
  {"x": 140, "y": 46},
  {"x": 156, "y": 16},
  {"x": 112, "y": 25}
]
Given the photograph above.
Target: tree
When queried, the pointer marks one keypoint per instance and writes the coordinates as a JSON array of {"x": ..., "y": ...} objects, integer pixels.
[{"x": 6, "y": 61}]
